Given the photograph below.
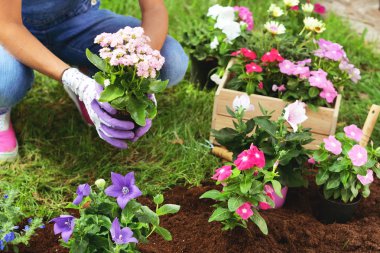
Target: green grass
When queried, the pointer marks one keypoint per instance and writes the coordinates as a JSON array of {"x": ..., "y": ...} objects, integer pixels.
[{"x": 57, "y": 151}]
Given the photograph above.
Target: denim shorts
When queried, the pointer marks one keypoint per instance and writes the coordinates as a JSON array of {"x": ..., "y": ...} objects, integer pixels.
[{"x": 68, "y": 28}]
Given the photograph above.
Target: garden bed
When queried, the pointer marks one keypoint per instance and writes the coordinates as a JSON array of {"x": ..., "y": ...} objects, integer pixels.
[{"x": 291, "y": 229}]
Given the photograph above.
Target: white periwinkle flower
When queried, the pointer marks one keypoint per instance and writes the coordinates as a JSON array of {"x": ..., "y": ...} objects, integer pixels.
[
  {"x": 295, "y": 114},
  {"x": 242, "y": 102},
  {"x": 214, "y": 11},
  {"x": 215, "y": 43},
  {"x": 308, "y": 7},
  {"x": 275, "y": 11},
  {"x": 216, "y": 79}
]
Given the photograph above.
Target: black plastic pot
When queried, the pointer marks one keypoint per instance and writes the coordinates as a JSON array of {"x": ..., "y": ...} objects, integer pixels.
[
  {"x": 331, "y": 211},
  {"x": 201, "y": 72}
]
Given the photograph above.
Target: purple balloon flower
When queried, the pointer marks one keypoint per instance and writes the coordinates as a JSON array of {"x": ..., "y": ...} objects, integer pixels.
[
  {"x": 121, "y": 236},
  {"x": 123, "y": 188},
  {"x": 64, "y": 225},
  {"x": 83, "y": 190}
]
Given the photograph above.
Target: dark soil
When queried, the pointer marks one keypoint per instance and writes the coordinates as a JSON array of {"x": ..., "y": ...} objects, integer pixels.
[{"x": 292, "y": 228}]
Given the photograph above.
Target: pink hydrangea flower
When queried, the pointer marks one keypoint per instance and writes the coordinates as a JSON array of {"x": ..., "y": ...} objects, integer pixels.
[
  {"x": 319, "y": 8},
  {"x": 246, "y": 16},
  {"x": 353, "y": 132},
  {"x": 367, "y": 179},
  {"x": 253, "y": 67},
  {"x": 333, "y": 145},
  {"x": 222, "y": 173},
  {"x": 245, "y": 211},
  {"x": 295, "y": 114},
  {"x": 287, "y": 67},
  {"x": 269, "y": 191},
  {"x": 358, "y": 155}
]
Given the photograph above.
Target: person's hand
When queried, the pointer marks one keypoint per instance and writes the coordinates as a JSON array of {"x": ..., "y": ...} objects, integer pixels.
[{"x": 114, "y": 131}]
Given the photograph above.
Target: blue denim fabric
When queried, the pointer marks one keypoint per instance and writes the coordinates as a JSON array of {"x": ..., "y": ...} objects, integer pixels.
[{"x": 67, "y": 28}]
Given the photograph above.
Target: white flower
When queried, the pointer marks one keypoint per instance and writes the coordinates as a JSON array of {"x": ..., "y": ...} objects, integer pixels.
[
  {"x": 232, "y": 31},
  {"x": 243, "y": 102},
  {"x": 225, "y": 17},
  {"x": 274, "y": 27},
  {"x": 107, "y": 82},
  {"x": 215, "y": 43},
  {"x": 314, "y": 24},
  {"x": 295, "y": 114},
  {"x": 308, "y": 7},
  {"x": 275, "y": 11},
  {"x": 214, "y": 11},
  {"x": 216, "y": 79},
  {"x": 291, "y": 3},
  {"x": 100, "y": 183}
]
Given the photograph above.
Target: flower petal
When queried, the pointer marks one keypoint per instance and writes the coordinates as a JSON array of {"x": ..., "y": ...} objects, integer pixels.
[
  {"x": 113, "y": 191},
  {"x": 117, "y": 179},
  {"x": 78, "y": 200}
]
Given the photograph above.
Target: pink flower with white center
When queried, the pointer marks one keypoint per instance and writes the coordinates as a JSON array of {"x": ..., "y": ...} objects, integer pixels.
[
  {"x": 280, "y": 88},
  {"x": 329, "y": 93},
  {"x": 287, "y": 67},
  {"x": 358, "y": 155},
  {"x": 261, "y": 85},
  {"x": 245, "y": 161},
  {"x": 272, "y": 56},
  {"x": 318, "y": 79},
  {"x": 253, "y": 67},
  {"x": 269, "y": 191},
  {"x": 295, "y": 114},
  {"x": 330, "y": 50},
  {"x": 367, "y": 179},
  {"x": 333, "y": 145},
  {"x": 249, "y": 54},
  {"x": 303, "y": 72},
  {"x": 353, "y": 132},
  {"x": 258, "y": 156},
  {"x": 245, "y": 211},
  {"x": 222, "y": 173}
]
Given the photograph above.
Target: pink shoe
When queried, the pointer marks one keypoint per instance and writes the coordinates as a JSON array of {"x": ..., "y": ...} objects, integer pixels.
[
  {"x": 80, "y": 106},
  {"x": 8, "y": 141}
]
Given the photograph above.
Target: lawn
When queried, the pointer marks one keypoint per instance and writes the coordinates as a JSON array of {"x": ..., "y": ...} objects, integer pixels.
[{"x": 58, "y": 151}]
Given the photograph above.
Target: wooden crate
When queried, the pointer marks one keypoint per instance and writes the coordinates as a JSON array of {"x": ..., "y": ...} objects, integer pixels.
[{"x": 323, "y": 122}]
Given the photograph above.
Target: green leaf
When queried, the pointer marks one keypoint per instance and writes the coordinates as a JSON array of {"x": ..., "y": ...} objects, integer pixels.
[
  {"x": 110, "y": 93},
  {"x": 158, "y": 86},
  {"x": 333, "y": 183},
  {"x": 259, "y": 221},
  {"x": 158, "y": 199},
  {"x": 96, "y": 60},
  {"x": 220, "y": 214},
  {"x": 212, "y": 194},
  {"x": 322, "y": 176},
  {"x": 265, "y": 124},
  {"x": 338, "y": 166},
  {"x": 250, "y": 89},
  {"x": 235, "y": 203},
  {"x": 320, "y": 155},
  {"x": 366, "y": 191},
  {"x": 168, "y": 209},
  {"x": 277, "y": 187},
  {"x": 80, "y": 246},
  {"x": 148, "y": 216},
  {"x": 164, "y": 233},
  {"x": 99, "y": 77},
  {"x": 245, "y": 184},
  {"x": 137, "y": 110},
  {"x": 299, "y": 137},
  {"x": 313, "y": 92}
]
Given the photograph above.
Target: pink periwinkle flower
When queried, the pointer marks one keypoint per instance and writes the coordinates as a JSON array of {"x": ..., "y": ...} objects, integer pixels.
[
  {"x": 259, "y": 157},
  {"x": 318, "y": 79},
  {"x": 358, "y": 155},
  {"x": 353, "y": 132},
  {"x": 247, "y": 53},
  {"x": 269, "y": 191},
  {"x": 245, "y": 211},
  {"x": 330, "y": 50},
  {"x": 295, "y": 114},
  {"x": 333, "y": 145},
  {"x": 295, "y": 8},
  {"x": 367, "y": 179},
  {"x": 304, "y": 62},
  {"x": 319, "y": 8},
  {"x": 272, "y": 56},
  {"x": 329, "y": 92},
  {"x": 302, "y": 71},
  {"x": 222, "y": 173},
  {"x": 246, "y": 16},
  {"x": 250, "y": 158},
  {"x": 253, "y": 67},
  {"x": 311, "y": 160},
  {"x": 280, "y": 88},
  {"x": 287, "y": 67}
]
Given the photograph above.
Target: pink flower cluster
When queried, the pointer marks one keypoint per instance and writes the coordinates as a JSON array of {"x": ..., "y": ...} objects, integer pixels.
[
  {"x": 299, "y": 69},
  {"x": 272, "y": 56},
  {"x": 334, "y": 51},
  {"x": 250, "y": 158},
  {"x": 246, "y": 16},
  {"x": 129, "y": 47},
  {"x": 318, "y": 8}
]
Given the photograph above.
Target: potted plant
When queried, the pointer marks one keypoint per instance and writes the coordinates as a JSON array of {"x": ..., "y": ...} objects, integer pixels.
[
  {"x": 111, "y": 219},
  {"x": 243, "y": 190},
  {"x": 283, "y": 148},
  {"x": 288, "y": 61},
  {"x": 213, "y": 37},
  {"x": 345, "y": 173},
  {"x": 11, "y": 233},
  {"x": 129, "y": 69}
]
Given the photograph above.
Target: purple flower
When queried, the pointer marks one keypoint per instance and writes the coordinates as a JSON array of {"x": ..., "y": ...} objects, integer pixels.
[
  {"x": 30, "y": 220},
  {"x": 5, "y": 196},
  {"x": 64, "y": 225},
  {"x": 121, "y": 236},
  {"x": 123, "y": 188},
  {"x": 2, "y": 246},
  {"x": 9, "y": 237},
  {"x": 83, "y": 190},
  {"x": 26, "y": 228}
]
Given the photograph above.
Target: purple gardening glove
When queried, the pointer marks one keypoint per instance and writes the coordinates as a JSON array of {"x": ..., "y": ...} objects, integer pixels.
[{"x": 115, "y": 132}]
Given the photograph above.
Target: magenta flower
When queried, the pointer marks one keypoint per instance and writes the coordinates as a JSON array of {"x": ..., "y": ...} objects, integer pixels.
[
  {"x": 245, "y": 211},
  {"x": 253, "y": 67},
  {"x": 358, "y": 155},
  {"x": 222, "y": 173},
  {"x": 64, "y": 225},
  {"x": 258, "y": 156},
  {"x": 260, "y": 85},
  {"x": 269, "y": 191},
  {"x": 82, "y": 191},
  {"x": 295, "y": 114},
  {"x": 353, "y": 132},
  {"x": 287, "y": 67},
  {"x": 319, "y": 8},
  {"x": 367, "y": 179},
  {"x": 244, "y": 161},
  {"x": 121, "y": 236},
  {"x": 333, "y": 145},
  {"x": 245, "y": 16},
  {"x": 272, "y": 56},
  {"x": 123, "y": 188},
  {"x": 311, "y": 160},
  {"x": 249, "y": 54}
]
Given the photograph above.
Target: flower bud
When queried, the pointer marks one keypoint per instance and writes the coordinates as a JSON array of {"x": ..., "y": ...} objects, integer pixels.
[{"x": 100, "y": 183}]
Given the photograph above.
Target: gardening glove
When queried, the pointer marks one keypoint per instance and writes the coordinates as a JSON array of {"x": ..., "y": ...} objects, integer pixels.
[{"x": 110, "y": 129}]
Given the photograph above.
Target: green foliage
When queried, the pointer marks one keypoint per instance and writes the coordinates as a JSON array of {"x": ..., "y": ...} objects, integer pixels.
[
  {"x": 97, "y": 212},
  {"x": 126, "y": 91},
  {"x": 11, "y": 235},
  {"x": 275, "y": 140},
  {"x": 336, "y": 174}
]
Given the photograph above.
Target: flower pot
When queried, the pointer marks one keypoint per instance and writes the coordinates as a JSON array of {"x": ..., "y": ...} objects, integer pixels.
[
  {"x": 331, "y": 211},
  {"x": 201, "y": 72},
  {"x": 322, "y": 122},
  {"x": 278, "y": 201}
]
